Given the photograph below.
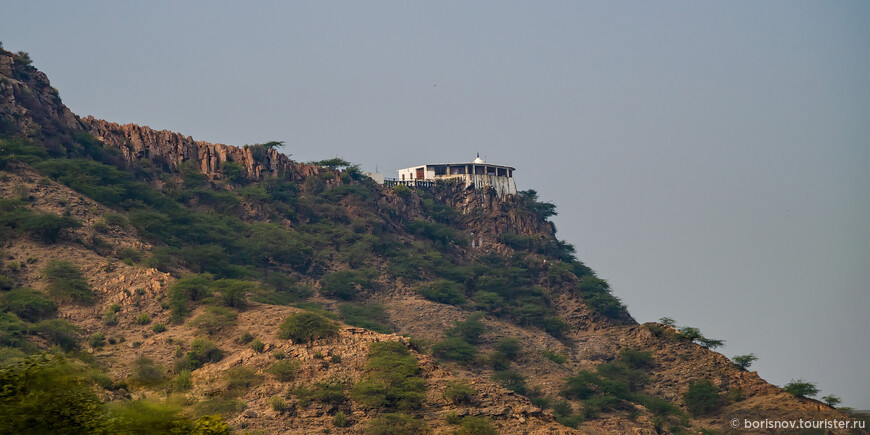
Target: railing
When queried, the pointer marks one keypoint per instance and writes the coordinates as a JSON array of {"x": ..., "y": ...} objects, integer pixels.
[{"x": 390, "y": 182}]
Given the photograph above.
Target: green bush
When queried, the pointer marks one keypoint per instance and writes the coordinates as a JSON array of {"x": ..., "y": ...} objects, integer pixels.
[
  {"x": 202, "y": 351},
  {"x": 393, "y": 380},
  {"x": 97, "y": 340},
  {"x": 396, "y": 424},
  {"x": 47, "y": 227},
  {"x": 597, "y": 295},
  {"x": 401, "y": 190},
  {"x": 469, "y": 330},
  {"x": 12, "y": 330},
  {"x": 258, "y": 345},
  {"x": 444, "y": 291},
  {"x": 744, "y": 361},
  {"x": 65, "y": 282},
  {"x": 147, "y": 373},
  {"x": 455, "y": 349},
  {"x": 59, "y": 332},
  {"x": 29, "y": 305},
  {"x": 48, "y": 395},
  {"x": 509, "y": 347},
  {"x": 702, "y": 397},
  {"x": 214, "y": 320},
  {"x": 370, "y": 316},
  {"x": 183, "y": 381},
  {"x": 305, "y": 326},
  {"x": 278, "y": 404},
  {"x": 459, "y": 392},
  {"x": 472, "y": 425},
  {"x": 143, "y": 319},
  {"x": 554, "y": 356},
  {"x": 329, "y": 391},
  {"x": 340, "y": 420},
  {"x": 346, "y": 284},
  {"x": 241, "y": 378},
  {"x": 512, "y": 380},
  {"x": 801, "y": 388},
  {"x": 246, "y": 337},
  {"x": 158, "y": 328},
  {"x": 284, "y": 370}
]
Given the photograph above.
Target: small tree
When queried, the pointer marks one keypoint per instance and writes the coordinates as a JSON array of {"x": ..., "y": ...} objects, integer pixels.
[
  {"x": 702, "y": 397},
  {"x": 304, "y": 327},
  {"x": 667, "y": 321},
  {"x": 744, "y": 361},
  {"x": 801, "y": 388},
  {"x": 831, "y": 400},
  {"x": 65, "y": 281}
]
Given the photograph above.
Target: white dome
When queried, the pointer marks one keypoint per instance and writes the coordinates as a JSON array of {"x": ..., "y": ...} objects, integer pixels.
[{"x": 478, "y": 160}]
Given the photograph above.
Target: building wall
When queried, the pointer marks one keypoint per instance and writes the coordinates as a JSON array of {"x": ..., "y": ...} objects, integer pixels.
[{"x": 503, "y": 185}]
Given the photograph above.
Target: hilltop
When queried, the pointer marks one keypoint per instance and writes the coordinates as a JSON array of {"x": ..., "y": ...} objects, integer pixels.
[{"x": 197, "y": 279}]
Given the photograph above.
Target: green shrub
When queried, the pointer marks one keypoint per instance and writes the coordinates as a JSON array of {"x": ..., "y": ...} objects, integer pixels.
[
  {"x": 444, "y": 291},
  {"x": 246, "y": 337},
  {"x": 329, "y": 391},
  {"x": 744, "y": 361},
  {"x": 59, "y": 332},
  {"x": 29, "y": 305},
  {"x": 65, "y": 282},
  {"x": 278, "y": 404},
  {"x": 636, "y": 359},
  {"x": 455, "y": 349},
  {"x": 241, "y": 378},
  {"x": 512, "y": 380},
  {"x": 12, "y": 330},
  {"x": 305, "y": 326},
  {"x": 509, "y": 347},
  {"x": 702, "y": 397},
  {"x": 7, "y": 283},
  {"x": 396, "y": 424},
  {"x": 214, "y": 320},
  {"x": 284, "y": 370},
  {"x": 130, "y": 256},
  {"x": 472, "y": 425},
  {"x": 393, "y": 379},
  {"x": 47, "y": 227},
  {"x": 183, "y": 381},
  {"x": 340, "y": 420},
  {"x": 146, "y": 372},
  {"x": 345, "y": 284},
  {"x": 43, "y": 394},
  {"x": 143, "y": 319},
  {"x": 190, "y": 288},
  {"x": 202, "y": 351},
  {"x": 554, "y": 356},
  {"x": 370, "y": 316},
  {"x": 158, "y": 328},
  {"x": 401, "y": 190},
  {"x": 459, "y": 392},
  {"x": 258, "y": 345},
  {"x": 97, "y": 340},
  {"x": 801, "y": 388},
  {"x": 469, "y": 330},
  {"x": 597, "y": 295},
  {"x": 110, "y": 318}
]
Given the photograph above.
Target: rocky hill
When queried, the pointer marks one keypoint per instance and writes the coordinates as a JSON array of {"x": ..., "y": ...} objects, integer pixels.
[{"x": 177, "y": 279}]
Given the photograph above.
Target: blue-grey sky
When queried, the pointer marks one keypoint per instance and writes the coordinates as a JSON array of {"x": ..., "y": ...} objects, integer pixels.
[{"x": 710, "y": 160}]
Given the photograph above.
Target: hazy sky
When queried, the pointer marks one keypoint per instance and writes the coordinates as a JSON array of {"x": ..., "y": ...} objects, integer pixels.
[{"x": 710, "y": 160}]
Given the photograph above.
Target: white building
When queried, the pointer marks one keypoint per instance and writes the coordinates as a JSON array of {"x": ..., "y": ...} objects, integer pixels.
[{"x": 477, "y": 173}]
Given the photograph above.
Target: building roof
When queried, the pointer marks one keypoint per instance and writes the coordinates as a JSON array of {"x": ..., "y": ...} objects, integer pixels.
[{"x": 462, "y": 163}]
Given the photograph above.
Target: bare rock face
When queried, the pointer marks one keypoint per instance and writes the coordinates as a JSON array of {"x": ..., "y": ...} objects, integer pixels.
[
  {"x": 29, "y": 106},
  {"x": 171, "y": 149}
]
